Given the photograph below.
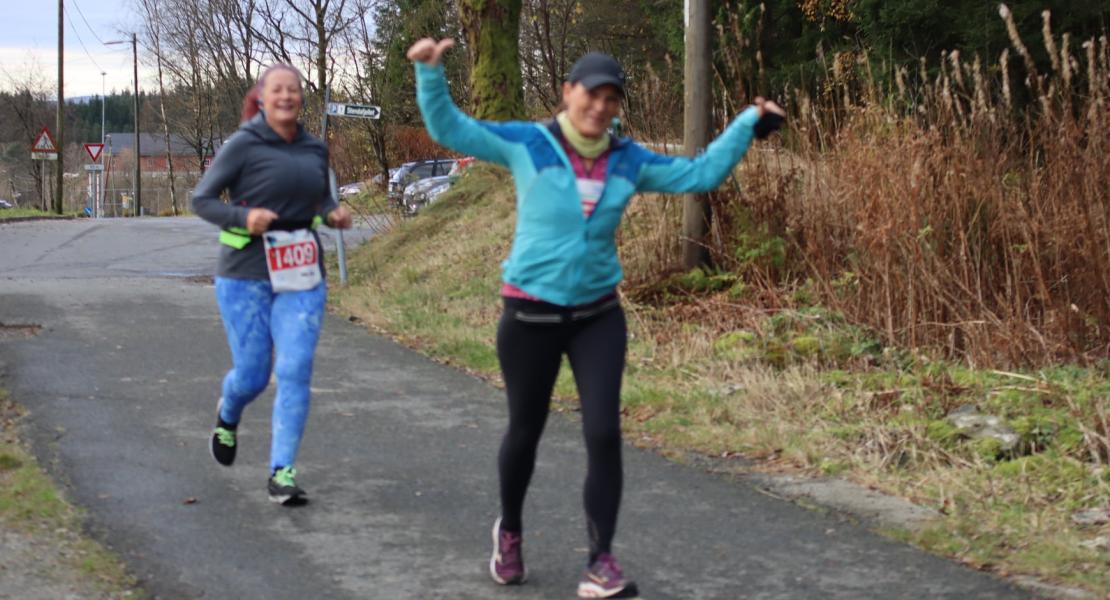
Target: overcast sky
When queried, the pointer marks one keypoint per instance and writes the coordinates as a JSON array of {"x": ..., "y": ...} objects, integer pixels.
[{"x": 29, "y": 44}]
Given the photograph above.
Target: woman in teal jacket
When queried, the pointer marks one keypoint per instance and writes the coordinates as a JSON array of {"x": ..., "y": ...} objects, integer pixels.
[{"x": 573, "y": 180}]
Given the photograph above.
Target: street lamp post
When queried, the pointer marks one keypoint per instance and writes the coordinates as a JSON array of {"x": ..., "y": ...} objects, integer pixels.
[
  {"x": 102, "y": 101},
  {"x": 100, "y": 176},
  {"x": 138, "y": 154}
]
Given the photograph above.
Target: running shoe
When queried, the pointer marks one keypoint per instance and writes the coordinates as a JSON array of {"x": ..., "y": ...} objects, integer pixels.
[
  {"x": 506, "y": 566},
  {"x": 223, "y": 440},
  {"x": 283, "y": 490},
  {"x": 604, "y": 579}
]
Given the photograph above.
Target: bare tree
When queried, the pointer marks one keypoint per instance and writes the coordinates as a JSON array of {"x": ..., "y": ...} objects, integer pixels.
[
  {"x": 151, "y": 9},
  {"x": 302, "y": 32},
  {"x": 31, "y": 107},
  {"x": 545, "y": 48}
]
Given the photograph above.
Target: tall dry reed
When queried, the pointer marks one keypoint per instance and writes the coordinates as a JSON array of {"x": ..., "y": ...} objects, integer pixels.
[{"x": 949, "y": 210}]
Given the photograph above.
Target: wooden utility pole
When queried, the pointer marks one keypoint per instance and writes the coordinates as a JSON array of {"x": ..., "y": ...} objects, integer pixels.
[
  {"x": 138, "y": 151},
  {"x": 696, "y": 212},
  {"x": 59, "y": 191}
]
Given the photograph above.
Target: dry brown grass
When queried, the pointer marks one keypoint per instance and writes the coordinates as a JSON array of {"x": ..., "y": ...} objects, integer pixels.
[{"x": 944, "y": 214}]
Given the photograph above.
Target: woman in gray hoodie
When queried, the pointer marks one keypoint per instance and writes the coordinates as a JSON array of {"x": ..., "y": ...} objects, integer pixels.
[{"x": 269, "y": 282}]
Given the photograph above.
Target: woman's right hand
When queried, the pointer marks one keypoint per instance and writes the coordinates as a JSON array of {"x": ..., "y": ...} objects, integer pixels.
[
  {"x": 768, "y": 106},
  {"x": 428, "y": 50},
  {"x": 259, "y": 219}
]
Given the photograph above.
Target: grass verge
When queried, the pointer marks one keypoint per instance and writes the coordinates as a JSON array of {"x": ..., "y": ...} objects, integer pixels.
[
  {"x": 22, "y": 213},
  {"x": 46, "y": 551},
  {"x": 798, "y": 390}
]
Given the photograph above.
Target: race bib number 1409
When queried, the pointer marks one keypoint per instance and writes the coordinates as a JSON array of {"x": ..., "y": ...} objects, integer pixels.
[{"x": 292, "y": 257}]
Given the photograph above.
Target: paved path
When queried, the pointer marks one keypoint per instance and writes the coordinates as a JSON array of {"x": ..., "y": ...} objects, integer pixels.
[{"x": 398, "y": 458}]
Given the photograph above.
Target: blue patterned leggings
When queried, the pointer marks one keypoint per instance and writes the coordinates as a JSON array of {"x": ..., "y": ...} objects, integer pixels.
[{"x": 270, "y": 331}]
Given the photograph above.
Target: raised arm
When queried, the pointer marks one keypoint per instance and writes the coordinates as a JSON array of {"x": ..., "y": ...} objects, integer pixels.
[
  {"x": 445, "y": 122},
  {"x": 675, "y": 174}
]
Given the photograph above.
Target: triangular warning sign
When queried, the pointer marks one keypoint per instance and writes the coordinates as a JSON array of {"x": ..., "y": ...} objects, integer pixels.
[
  {"x": 44, "y": 143},
  {"x": 94, "y": 151}
]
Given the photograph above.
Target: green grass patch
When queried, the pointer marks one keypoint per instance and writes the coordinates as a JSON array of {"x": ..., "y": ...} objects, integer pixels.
[
  {"x": 11, "y": 213},
  {"x": 800, "y": 389},
  {"x": 30, "y": 502}
]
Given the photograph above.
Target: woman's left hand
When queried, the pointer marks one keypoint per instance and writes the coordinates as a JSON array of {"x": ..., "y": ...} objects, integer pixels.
[{"x": 339, "y": 218}]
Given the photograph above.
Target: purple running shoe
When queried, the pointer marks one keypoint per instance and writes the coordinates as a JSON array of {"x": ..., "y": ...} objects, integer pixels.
[
  {"x": 506, "y": 566},
  {"x": 604, "y": 579}
]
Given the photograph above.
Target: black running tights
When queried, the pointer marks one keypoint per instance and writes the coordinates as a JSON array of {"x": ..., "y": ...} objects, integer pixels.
[{"x": 530, "y": 354}]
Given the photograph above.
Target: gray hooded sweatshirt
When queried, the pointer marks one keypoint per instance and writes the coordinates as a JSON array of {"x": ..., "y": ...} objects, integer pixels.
[{"x": 259, "y": 169}]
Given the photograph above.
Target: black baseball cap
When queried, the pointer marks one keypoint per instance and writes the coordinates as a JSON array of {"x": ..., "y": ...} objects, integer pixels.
[{"x": 596, "y": 68}]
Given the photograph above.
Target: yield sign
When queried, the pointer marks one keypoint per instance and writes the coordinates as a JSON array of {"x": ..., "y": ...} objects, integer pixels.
[
  {"x": 94, "y": 151},
  {"x": 44, "y": 142}
]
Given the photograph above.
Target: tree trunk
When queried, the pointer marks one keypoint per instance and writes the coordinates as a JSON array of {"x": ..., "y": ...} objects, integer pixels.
[
  {"x": 154, "y": 28},
  {"x": 166, "y": 130},
  {"x": 492, "y": 30},
  {"x": 322, "y": 43}
]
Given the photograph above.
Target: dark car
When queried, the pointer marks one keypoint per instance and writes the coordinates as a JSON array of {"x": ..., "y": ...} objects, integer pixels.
[{"x": 411, "y": 172}]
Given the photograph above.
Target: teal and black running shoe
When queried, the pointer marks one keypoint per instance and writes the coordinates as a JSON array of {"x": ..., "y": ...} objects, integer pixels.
[
  {"x": 283, "y": 490},
  {"x": 223, "y": 445}
]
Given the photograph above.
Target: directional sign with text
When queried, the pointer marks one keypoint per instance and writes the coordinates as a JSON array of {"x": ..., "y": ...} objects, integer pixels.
[
  {"x": 94, "y": 151},
  {"x": 362, "y": 111}
]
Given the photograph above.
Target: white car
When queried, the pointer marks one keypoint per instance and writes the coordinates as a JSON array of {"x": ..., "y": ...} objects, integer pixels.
[
  {"x": 422, "y": 193},
  {"x": 351, "y": 189},
  {"x": 6, "y": 204}
]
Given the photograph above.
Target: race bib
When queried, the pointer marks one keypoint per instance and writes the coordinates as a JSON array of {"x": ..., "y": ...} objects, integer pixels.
[{"x": 293, "y": 259}]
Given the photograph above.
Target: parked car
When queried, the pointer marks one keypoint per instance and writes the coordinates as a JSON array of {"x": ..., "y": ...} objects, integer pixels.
[
  {"x": 351, "y": 189},
  {"x": 422, "y": 193},
  {"x": 411, "y": 172},
  {"x": 460, "y": 166},
  {"x": 6, "y": 204},
  {"x": 379, "y": 182}
]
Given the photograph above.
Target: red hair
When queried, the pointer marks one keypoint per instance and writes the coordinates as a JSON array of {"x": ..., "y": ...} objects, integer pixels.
[{"x": 252, "y": 102}]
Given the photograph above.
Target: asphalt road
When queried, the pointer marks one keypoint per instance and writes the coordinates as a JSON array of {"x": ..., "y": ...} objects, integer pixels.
[{"x": 399, "y": 457}]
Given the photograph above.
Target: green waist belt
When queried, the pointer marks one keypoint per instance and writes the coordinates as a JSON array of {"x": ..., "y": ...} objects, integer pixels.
[
  {"x": 239, "y": 237},
  {"x": 236, "y": 237}
]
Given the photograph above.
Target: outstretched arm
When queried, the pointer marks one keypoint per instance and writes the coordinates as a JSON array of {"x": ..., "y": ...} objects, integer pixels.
[
  {"x": 445, "y": 122},
  {"x": 704, "y": 173}
]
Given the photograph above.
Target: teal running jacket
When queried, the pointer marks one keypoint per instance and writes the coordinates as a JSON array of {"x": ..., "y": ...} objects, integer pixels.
[{"x": 559, "y": 255}]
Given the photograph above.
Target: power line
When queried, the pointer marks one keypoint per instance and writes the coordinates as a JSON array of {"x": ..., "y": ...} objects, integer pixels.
[
  {"x": 82, "y": 42},
  {"x": 91, "y": 30}
]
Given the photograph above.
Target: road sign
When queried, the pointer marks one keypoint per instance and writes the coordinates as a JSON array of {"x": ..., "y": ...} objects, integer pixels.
[
  {"x": 44, "y": 156},
  {"x": 95, "y": 167},
  {"x": 94, "y": 151},
  {"x": 45, "y": 143},
  {"x": 362, "y": 111}
]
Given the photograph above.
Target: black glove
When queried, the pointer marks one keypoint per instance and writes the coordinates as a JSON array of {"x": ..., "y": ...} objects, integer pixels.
[{"x": 769, "y": 123}]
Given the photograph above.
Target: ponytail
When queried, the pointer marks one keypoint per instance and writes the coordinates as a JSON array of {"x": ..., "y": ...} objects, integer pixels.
[{"x": 251, "y": 104}]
